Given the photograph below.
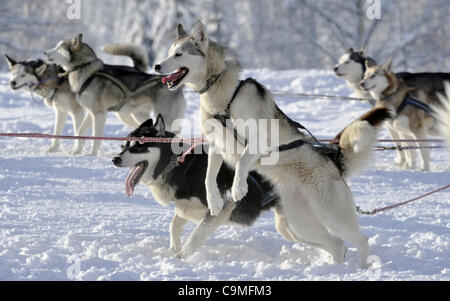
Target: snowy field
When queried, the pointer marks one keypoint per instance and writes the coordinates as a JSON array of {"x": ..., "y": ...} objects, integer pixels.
[{"x": 59, "y": 213}]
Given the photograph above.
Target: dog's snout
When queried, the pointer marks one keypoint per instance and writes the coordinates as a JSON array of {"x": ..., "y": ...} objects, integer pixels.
[
  {"x": 116, "y": 161},
  {"x": 45, "y": 52},
  {"x": 336, "y": 68},
  {"x": 157, "y": 68},
  {"x": 12, "y": 83}
]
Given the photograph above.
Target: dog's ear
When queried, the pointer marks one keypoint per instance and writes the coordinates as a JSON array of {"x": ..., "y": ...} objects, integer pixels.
[
  {"x": 181, "y": 33},
  {"x": 76, "y": 42},
  {"x": 199, "y": 32},
  {"x": 147, "y": 124},
  {"x": 10, "y": 61},
  {"x": 41, "y": 69},
  {"x": 362, "y": 49},
  {"x": 388, "y": 66},
  {"x": 160, "y": 126},
  {"x": 370, "y": 63},
  {"x": 350, "y": 50}
]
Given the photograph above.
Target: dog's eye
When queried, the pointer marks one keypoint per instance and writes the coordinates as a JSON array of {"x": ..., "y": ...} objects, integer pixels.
[{"x": 178, "y": 54}]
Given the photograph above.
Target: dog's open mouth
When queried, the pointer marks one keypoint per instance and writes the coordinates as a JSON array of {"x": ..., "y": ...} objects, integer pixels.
[
  {"x": 134, "y": 177},
  {"x": 175, "y": 78}
]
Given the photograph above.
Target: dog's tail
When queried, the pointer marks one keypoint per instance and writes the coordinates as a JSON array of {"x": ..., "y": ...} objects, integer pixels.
[
  {"x": 135, "y": 52},
  {"x": 442, "y": 113},
  {"x": 358, "y": 139}
]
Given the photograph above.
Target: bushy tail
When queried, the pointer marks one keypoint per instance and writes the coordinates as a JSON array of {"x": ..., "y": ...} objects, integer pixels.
[
  {"x": 136, "y": 53},
  {"x": 442, "y": 113},
  {"x": 359, "y": 138}
]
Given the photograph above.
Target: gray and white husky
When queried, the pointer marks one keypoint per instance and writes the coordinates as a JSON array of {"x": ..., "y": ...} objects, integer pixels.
[
  {"x": 43, "y": 78},
  {"x": 353, "y": 65},
  {"x": 309, "y": 177},
  {"x": 99, "y": 88},
  {"x": 182, "y": 183},
  {"x": 412, "y": 104}
]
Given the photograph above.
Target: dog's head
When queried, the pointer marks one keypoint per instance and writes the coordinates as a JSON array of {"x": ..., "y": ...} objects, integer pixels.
[
  {"x": 70, "y": 53},
  {"x": 377, "y": 79},
  {"x": 146, "y": 160},
  {"x": 25, "y": 73},
  {"x": 186, "y": 61},
  {"x": 351, "y": 65}
]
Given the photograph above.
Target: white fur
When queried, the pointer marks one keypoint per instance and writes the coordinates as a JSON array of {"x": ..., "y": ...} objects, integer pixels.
[
  {"x": 443, "y": 113},
  {"x": 315, "y": 198}
]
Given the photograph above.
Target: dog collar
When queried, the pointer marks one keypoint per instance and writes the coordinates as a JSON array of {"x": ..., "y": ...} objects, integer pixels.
[{"x": 210, "y": 82}]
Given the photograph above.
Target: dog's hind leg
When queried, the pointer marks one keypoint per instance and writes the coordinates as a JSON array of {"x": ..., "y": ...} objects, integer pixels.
[
  {"x": 307, "y": 227},
  {"x": 60, "y": 120},
  {"x": 99, "y": 119},
  {"x": 176, "y": 229},
  {"x": 205, "y": 229},
  {"x": 335, "y": 208}
]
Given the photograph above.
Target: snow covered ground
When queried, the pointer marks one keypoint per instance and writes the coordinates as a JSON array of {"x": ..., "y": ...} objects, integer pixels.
[{"x": 67, "y": 217}]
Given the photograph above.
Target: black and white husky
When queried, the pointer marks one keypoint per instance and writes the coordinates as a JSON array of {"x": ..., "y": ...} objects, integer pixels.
[
  {"x": 156, "y": 165},
  {"x": 309, "y": 177}
]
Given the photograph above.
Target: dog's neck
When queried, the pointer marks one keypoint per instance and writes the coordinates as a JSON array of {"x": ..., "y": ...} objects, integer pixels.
[
  {"x": 395, "y": 93},
  {"x": 81, "y": 73},
  {"x": 215, "y": 100}
]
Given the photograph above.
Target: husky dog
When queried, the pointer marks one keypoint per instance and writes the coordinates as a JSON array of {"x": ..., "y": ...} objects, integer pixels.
[
  {"x": 309, "y": 177},
  {"x": 130, "y": 93},
  {"x": 352, "y": 67},
  {"x": 155, "y": 165},
  {"x": 42, "y": 78},
  {"x": 411, "y": 103}
]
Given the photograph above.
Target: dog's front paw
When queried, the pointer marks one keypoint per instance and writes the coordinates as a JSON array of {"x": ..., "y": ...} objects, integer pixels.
[
  {"x": 215, "y": 203},
  {"x": 239, "y": 189}
]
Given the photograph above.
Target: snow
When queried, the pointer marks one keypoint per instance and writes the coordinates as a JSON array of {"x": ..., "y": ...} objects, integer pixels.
[{"x": 67, "y": 217}]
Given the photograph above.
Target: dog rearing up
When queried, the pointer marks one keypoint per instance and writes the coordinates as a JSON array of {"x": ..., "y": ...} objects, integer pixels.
[
  {"x": 310, "y": 179},
  {"x": 100, "y": 88}
]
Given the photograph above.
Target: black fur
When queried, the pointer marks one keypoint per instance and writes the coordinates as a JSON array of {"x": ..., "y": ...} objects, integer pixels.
[{"x": 188, "y": 178}]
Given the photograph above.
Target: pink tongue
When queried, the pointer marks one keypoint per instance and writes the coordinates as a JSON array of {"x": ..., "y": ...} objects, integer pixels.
[
  {"x": 172, "y": 77},
  {"x": 129, "y": 186}
]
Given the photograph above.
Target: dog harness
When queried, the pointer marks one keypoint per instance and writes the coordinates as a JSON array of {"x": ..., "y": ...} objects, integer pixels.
[
  {"x": 415, "y": 103},
  {"x": 332, "y": 151},
  {"x": 129, "y": 89}
]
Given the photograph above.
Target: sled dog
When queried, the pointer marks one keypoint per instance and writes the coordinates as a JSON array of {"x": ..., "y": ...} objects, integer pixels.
[
  {"x": 352, "y": 67},
  {"x": 412, "y": 104},
  {"x": 99, "y": 88},
  {"x": 309, "y": 177},
  {"x": 43, "y": 78},
  {"x": 156, "y": 165}
]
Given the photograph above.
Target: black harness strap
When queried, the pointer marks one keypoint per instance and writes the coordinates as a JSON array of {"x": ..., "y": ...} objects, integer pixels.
[{"x": 414, "y": 102}]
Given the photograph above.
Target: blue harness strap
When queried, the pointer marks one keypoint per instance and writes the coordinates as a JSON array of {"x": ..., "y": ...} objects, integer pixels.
[{"x": 415, "y": 103}]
